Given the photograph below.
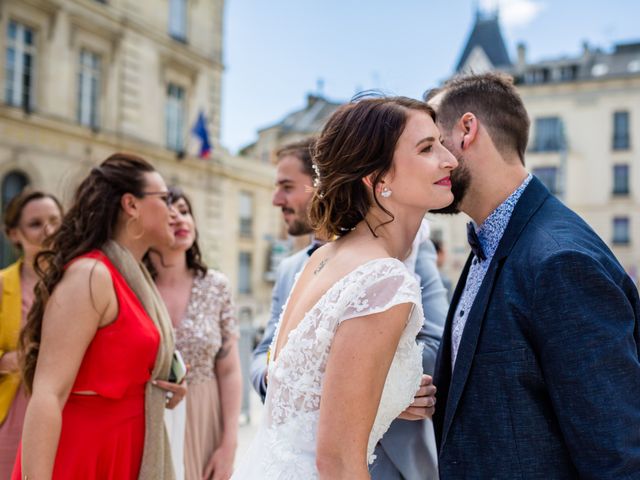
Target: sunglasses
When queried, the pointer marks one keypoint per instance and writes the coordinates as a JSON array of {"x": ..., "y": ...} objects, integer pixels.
[{"x": 166, "y": 197}]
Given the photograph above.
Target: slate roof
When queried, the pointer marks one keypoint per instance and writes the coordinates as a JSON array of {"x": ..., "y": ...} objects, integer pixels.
[
  {"x": 309, "y": 119},
  {"x": 486, "y": 34}
]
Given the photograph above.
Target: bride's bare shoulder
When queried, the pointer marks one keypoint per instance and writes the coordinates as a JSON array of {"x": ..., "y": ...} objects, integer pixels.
[{"x": 346, "y": 256}]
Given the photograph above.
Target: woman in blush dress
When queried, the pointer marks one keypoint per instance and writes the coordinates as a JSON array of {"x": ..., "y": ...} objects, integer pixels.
[
  {"x": 203, "y": 315},
  {"x": 30, "y": 217},
  {"x": 98, "y": 342},
  {"x": 344, "y": 362}
]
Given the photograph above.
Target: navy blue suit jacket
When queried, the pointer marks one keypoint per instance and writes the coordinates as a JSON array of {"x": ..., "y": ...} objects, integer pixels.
[{"x": 547, "y": 378}]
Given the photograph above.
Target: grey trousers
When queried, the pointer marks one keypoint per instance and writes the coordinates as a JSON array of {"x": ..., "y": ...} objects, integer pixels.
[{"x": 383, "y": 468}]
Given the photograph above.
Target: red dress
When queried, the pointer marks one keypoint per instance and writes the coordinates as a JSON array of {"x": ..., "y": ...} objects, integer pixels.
[{"x": 102, "y": 435}]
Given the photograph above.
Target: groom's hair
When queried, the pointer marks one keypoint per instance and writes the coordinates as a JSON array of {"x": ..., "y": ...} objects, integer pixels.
[
  {"x": 302, "y": 151},
  {"x": 493, "y": 98}
]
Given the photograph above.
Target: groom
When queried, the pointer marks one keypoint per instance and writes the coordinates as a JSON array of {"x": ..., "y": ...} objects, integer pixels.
[
  {"x": 406, "y": 451},
  {"x": 538, "y": 373}
]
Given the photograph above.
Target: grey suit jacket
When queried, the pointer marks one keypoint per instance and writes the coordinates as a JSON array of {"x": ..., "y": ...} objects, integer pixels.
[
  {"x": 285, "y": 277},
  {"x": 403, "y": 452}
]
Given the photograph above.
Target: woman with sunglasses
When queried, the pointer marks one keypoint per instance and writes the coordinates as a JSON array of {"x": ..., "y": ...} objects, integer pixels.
[
  {"x": 30, "y": 217},
  {"x": 98, "y": 343},
  {"x": 203, "y": 316}
]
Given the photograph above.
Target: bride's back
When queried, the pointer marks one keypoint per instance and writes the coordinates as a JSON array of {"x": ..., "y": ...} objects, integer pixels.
[
  {"x": 344, "y": 358},
  {"x": 296, "y": 372},
  {"x": 328, "y": 265}
]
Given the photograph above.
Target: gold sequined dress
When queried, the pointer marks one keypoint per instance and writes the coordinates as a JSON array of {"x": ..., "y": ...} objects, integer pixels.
[{"x": 209, "y": 321}]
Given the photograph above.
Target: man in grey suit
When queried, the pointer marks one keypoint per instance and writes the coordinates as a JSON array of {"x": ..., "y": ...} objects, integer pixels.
[{"x": 407, "y": 450}]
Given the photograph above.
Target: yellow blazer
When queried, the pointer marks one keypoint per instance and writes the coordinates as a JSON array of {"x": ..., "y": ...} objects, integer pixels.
[{"x": 10, "y": 316}]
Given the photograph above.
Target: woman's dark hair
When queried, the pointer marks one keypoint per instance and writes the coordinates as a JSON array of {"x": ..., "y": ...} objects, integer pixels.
[
  {"x": 194, "y": 255},
  {"x": 15, "y": 207},
  {"x": 358, "y": 140},
  {"x": 88, "y": 224}
]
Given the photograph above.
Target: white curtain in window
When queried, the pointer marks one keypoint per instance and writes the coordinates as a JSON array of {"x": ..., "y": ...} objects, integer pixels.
[
  {"x": 88, "y": 88},
  {"x": 20, "y": 65},
  {"x": 178, "y": 18}
]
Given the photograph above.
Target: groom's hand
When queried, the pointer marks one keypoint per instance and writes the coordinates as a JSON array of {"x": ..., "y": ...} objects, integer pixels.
[{"x": 424, "y": 401}]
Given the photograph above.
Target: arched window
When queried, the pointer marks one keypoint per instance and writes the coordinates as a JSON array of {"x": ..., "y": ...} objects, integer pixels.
[{"x": 12, "y": 184}]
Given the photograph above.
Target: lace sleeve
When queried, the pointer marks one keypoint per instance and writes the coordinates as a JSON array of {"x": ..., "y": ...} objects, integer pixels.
[{"x": 385, "y": 284}]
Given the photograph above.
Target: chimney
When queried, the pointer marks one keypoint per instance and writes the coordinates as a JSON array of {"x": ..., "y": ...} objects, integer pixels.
[{"x": 522, "y": 55}]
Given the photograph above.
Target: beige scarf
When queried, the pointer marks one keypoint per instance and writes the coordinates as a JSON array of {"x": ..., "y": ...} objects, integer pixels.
[{"x": 156, "y": 457}]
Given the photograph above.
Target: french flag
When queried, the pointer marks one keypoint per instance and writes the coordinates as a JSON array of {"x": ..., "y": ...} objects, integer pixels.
[{"x": 200, "y": 131}]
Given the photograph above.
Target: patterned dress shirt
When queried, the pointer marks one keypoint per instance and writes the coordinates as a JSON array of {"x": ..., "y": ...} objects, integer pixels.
[{"x": 490, "y": 233}]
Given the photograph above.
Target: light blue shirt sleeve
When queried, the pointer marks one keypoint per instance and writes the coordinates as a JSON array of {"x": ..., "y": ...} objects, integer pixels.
[
  {"x": 434, "y": 303},
  {"x": 259, "y": 361},
  {"x": 285, "y": 278}
]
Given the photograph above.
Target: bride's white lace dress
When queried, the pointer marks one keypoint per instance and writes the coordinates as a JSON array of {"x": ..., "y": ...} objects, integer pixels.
[{"x": 285, "y": 446}]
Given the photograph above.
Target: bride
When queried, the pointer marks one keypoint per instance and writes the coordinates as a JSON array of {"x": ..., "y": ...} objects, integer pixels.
[{"x": 344, "y": 361}]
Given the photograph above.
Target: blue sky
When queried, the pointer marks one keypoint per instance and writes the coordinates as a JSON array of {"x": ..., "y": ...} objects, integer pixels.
[{"x": 276, "y": 51}]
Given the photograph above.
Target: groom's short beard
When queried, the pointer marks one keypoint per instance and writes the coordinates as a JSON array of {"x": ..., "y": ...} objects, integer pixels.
[
  {"x": 298, "y": 228},
  {"x": 460, "y": 181}
]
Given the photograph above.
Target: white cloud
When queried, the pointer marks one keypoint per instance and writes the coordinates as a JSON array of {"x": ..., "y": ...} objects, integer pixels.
[{"x": 515, "y": 13}]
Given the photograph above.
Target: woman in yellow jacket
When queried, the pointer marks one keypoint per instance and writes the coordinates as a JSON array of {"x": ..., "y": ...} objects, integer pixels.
[{"x": 29, "y": 218}]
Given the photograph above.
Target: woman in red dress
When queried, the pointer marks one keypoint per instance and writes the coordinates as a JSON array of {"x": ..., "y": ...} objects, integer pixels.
[{"x": 98, "y": 333}]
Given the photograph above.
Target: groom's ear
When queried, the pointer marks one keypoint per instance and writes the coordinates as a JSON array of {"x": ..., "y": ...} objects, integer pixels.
[{"x": 468, "y": 125}]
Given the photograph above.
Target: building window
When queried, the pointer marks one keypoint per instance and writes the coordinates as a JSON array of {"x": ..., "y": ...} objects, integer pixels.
[
  {"x": 246, "y": 214},
  {"x": 621, "y": 179},
  {"x": 175, "y": 113},
  {"x": 88, "y": 89},
  {"x": 549, "y": 135},
  {"x": 20, "y": 66},
  {"x": 12, "y": 184},
  {"x": 244, "y": 273},
  {"x": 621, "y": 130},
  {"x": 621, "y": 231},
  {"x": 178, "y": 19},
  {"x": 568, "y": 73},
  {"x": 537, "y": 76},
  {"x": 549, "y": 177},
  {"x": 279, "y": 250}
]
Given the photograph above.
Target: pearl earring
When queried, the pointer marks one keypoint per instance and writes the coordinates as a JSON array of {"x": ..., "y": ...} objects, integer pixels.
[{"x": 386, "y": 193}]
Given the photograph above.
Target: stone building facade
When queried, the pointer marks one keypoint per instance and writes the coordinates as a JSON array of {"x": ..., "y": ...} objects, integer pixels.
[{"x": 81, "y": 79}]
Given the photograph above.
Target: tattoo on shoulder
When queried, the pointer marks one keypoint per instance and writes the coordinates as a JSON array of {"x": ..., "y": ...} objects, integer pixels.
[{"x": 320, "y": 266}]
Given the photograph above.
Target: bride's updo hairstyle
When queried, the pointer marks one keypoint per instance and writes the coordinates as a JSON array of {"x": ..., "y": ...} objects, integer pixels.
[{"x": 358, "y": 140}]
